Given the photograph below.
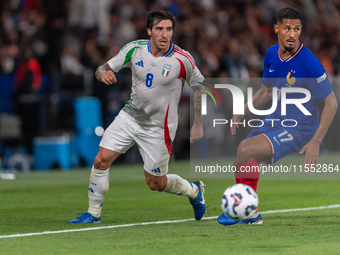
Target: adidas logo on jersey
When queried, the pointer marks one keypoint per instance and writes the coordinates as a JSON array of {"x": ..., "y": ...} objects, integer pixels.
[{"x": 139, "y": 63}]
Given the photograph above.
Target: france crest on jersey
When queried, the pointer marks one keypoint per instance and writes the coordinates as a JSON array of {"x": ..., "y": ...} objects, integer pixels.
[{"x": 301, "y": 70}]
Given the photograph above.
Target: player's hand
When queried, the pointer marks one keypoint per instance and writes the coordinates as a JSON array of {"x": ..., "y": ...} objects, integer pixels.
[
  {"x": 236, "y": 118},
  {"x": 196, "y": 132},
  {"x": 311, "y": 151},
  {"x": 108, "y": 77}
]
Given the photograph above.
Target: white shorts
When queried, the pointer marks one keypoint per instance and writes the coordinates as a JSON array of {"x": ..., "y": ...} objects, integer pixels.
[{"x": 123, "y": 133}]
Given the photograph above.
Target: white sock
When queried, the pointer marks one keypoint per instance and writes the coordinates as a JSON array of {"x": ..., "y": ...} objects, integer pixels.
[
  {"x": 98, "y": 187},
  {"x": 176, "y": 185}
]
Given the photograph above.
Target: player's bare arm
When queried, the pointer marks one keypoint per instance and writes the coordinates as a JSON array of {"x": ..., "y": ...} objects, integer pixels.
[
  {"x": 196, "y": 132},
  {"x": 311, "y": 149},
  {"x": 105, "y": 74},
  {"x": 262, "y": 96}
]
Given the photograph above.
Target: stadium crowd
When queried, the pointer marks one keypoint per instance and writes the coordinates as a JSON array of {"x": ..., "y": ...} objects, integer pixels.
[{"x": 71, "y": 38}]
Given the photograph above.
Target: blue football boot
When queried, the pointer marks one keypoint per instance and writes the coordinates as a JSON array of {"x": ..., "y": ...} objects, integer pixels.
[
  {"x": 85, "y": 218},
  {"x": 256, "y": 220},
  {"x": 199, "y": 203},
  {"x": 225, "y": 220}
]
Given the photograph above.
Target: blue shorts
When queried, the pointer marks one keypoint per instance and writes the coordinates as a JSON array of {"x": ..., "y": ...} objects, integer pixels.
[{"x": 283, "y": 141}]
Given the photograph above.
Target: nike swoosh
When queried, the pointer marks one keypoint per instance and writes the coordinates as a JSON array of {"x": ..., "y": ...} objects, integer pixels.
[
  {"x": 270, "y": 70},
  {"x": 276, "y": 140}
]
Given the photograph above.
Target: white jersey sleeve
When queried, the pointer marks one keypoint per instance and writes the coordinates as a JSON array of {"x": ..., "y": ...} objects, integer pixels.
[
  {"x": 196, "y": 78},
  {"x": 193, "y": 75},
  {"x": 123, "y": 58}
]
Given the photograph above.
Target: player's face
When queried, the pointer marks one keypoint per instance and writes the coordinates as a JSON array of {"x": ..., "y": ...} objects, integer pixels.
[
  {"x": 288, "y": 33},
  {"x": 161, "y": 34}
]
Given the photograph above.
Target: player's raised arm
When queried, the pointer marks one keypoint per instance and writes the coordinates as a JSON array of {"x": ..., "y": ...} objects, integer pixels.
[
  {"x": 196, "y": 132},
  {"x": 262, "y": 96},
  {"x": 311, "y": 149},
  {"x": 105, "y": 74}
]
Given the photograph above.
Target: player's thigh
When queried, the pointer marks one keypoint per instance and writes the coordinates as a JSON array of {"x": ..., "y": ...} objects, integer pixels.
[
  {"x": 285, "y": 141},
  {"x": 253, "y": 148},
  {"x": 117, "y": 139},
  {"x": 155, "y": 154}
]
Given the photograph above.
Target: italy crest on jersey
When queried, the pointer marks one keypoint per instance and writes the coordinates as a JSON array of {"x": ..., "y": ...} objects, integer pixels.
[{"x": 166, "y": 70}]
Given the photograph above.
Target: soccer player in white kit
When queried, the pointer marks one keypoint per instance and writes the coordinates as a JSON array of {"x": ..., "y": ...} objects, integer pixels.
[{"x": 159, "y": 71}]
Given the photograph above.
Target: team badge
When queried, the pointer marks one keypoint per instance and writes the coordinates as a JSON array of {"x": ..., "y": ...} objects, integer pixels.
[
  {"x": 290, "y": 80},
  {"x": 166, "y": 70}
]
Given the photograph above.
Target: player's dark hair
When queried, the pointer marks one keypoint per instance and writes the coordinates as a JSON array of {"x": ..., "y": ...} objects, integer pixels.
[
  {"x": 288, "y": 13},
  {"x": 155, "y": 16}
]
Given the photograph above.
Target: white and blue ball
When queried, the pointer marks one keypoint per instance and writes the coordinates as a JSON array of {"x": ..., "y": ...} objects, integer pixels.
[{"x": 239, "y": 202}]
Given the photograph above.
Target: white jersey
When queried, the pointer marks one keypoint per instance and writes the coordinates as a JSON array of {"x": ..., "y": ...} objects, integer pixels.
[{"x": 157, "y": 85}]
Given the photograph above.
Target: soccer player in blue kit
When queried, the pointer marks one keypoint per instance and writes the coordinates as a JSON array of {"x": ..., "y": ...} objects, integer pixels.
[{"x": 287, "y": 64}]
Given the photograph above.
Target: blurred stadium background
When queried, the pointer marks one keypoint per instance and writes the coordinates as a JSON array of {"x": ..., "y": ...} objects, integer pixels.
[{"x": 64, "y": 41}]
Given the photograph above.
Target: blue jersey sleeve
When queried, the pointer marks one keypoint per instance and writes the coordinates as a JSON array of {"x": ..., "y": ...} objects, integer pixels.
[
  {"x": 318, "y": 82},
  {"x": 266, "y": 76}
]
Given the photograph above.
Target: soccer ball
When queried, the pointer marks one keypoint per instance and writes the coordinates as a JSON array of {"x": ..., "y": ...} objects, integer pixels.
[{"x": 239, "y": 202}]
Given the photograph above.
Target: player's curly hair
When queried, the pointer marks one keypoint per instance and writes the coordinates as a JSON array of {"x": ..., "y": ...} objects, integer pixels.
[
  {"x": 156, "y": 15},
  {"x": 288, "y": 13}
]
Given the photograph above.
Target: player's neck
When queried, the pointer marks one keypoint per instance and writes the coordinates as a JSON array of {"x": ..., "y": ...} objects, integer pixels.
[
  {"x": 285, "y": 54},
  {"x": 157, "y": 52}
]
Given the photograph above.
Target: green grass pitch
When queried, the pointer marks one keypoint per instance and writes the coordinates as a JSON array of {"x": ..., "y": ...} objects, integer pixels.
[{"x": 46, "y": 201}]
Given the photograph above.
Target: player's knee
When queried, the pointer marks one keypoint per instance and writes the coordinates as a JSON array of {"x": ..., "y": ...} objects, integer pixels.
[
  {"x": 244, "y": 151},
  {"x": 153, "y": 186},
  {"x": 100, "y": 163},
  {"x": 156, "y": 185}
]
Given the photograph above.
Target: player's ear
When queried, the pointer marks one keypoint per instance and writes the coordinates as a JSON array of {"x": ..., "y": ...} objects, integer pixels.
[
  {"x": 149, "y": 31},
  {"x": 276, "y": 28}
]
